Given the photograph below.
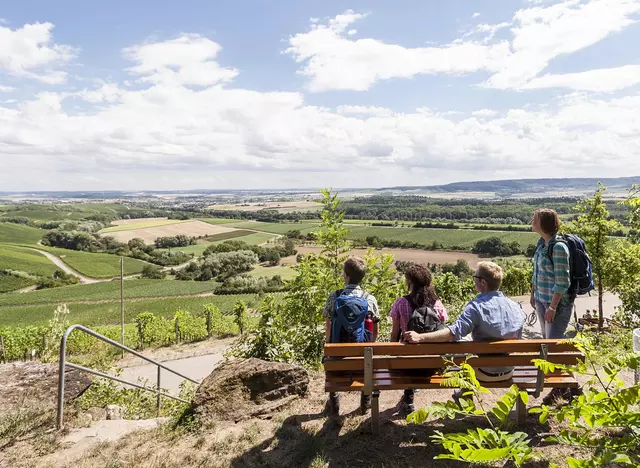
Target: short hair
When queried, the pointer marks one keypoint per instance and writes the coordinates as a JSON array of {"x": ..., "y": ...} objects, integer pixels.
[
  {"x": 548, "y": 219},
  {"x": 355, "y": 268},
  {"x": 491, "y": 273}
]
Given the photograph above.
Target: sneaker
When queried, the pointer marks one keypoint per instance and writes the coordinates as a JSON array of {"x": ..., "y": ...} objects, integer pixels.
[
  {"x": 554, "y": 396},
  {"x": 365, "y": 403}
]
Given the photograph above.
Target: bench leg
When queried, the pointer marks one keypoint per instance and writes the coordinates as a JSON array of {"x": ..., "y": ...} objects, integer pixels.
[
  {"x": 375, "y": 413},
  {"x": 521, "y": 412}
]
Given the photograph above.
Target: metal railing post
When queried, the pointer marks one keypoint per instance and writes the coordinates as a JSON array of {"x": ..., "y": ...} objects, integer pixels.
[
  {"x": 158, "y": 388},
  {"x": 62, "y": 358}
]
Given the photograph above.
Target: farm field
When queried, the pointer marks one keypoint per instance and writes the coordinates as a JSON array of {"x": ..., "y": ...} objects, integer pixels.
[
  {"x": 10, "y": 283},
  {"x": 463, "y": 238},
  {"x": 130, "y": 224},
  {"x": 96, "y": 265},
  {"x": 109, "y": 312},
  {"x": 413, "y": 255},
  {"x": 250, "y": 237},
  {"x": 11, "y": 233},
  {"x": 218, "y": 220},
  {"x": 285, "y": 271},
  {"x": 26, "y": 260},
  {"x": 255, "y": 238},
  {"x": 187, "y": 228},
  {"x": 276, "y": 228},
  {"x": 108, "y": 291},
  {"x": 282, "y": 207}
]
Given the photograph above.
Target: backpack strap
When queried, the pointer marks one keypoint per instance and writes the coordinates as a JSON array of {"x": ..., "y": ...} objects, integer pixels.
[{"x": 552, "y": 243}]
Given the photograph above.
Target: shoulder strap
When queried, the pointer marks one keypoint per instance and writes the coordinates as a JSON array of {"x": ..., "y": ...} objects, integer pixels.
[{"x": 559, "y": 239}]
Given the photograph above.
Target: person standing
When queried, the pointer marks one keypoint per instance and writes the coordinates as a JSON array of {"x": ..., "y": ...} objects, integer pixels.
[{"x": 550, "y": 296}]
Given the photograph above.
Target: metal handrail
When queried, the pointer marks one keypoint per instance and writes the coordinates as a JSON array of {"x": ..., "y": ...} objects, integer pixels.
[{"x": 63, "y": 363}]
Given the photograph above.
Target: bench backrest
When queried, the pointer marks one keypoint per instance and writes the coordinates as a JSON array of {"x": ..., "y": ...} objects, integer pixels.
[{"x": 350, "y": 356}]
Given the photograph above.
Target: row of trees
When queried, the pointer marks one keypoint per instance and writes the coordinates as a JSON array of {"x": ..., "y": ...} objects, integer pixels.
[{"x": 271, "y": 255}]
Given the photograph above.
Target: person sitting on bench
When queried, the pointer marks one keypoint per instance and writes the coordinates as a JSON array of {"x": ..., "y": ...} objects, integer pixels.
[{"x": 490, "y": 316}]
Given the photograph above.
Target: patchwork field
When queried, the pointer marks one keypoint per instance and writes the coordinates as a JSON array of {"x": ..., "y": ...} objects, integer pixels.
[
  {"x": 449, "y": 238},
  {"x": 150, "y": 233},
  {"x": 282, "y": 207},
  {"x": 96, "y": 265},
  {"x": 412, "y": 255},
  {"x": 284, "y": 270},
  {"x": 129, "y": 224},
  {"x": 19, "y": 234},
  {"x": 276, "y": 228},
  {"x": 26, "y": 260}
]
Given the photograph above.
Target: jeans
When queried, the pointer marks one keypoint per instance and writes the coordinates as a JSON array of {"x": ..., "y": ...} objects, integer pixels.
[{"x": 557, "y": 328}]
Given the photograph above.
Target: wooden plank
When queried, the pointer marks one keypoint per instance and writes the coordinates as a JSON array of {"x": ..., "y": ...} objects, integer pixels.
[
  {"x": 437, "y": 349},
  {"x": 438, "y": 362}
]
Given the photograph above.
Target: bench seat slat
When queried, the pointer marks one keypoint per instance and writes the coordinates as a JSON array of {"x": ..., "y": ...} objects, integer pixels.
[
  {"x": 398, "y": 380},
  {"x": 467, "y": 347},
  {"x": 437, "y": 362}
]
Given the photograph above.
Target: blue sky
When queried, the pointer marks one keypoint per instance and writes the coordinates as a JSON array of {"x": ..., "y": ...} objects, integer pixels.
[{"x": 257, "y": 94}]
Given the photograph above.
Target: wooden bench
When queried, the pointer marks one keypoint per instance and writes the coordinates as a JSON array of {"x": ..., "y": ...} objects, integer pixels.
[{"x": 366, "y": 367}]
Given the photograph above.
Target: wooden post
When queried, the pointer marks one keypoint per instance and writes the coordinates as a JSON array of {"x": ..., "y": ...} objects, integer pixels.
[
  {"x": 208, "y": 323},
  {"x": 141, "y": 335},
  {"x": 177, "y": 330},
  {"x": 4, "y": 353},
  {"x": 375, "y": 413}
]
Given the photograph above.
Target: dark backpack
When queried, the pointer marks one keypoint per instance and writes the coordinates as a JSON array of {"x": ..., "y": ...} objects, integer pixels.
[
  {"x": 423, "y": 319},
  {"x": 348, "y": 321},
  {"x": 580, "y": 266}
]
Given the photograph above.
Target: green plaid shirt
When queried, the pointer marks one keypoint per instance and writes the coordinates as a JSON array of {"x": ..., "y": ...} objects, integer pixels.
[{"x": 550, "y": 278}]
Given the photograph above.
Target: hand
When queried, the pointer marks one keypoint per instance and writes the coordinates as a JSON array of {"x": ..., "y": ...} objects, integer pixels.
[
  {"x": 549, "y": 315},
  {"x": 412, "y": 337}
]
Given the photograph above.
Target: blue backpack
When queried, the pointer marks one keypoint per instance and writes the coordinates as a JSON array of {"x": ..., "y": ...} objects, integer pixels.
[
  {"x": 580, "y": 266},
  {"x": 348, "y": 321}
]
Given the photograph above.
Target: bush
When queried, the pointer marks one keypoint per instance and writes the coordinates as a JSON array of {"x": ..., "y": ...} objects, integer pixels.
[
  {"x": 494, "y": 246},
  {"x": 153, "y": 272}
]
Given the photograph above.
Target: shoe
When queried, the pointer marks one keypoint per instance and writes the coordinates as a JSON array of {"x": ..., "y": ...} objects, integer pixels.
[
  {"x": 406, "y": 404},
  {"x": 554, "y": 396},
  {"x": 365, "y": 403},
  {"x": 456, "y": 397},
  {"x": 333, "y": 405}
]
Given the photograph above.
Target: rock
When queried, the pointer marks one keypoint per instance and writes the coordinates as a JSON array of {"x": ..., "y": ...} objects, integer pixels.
[
  {"x": 239, "y": 390},
  {"x": 38, "y": 382},
  {"x": 97, "y": 413},
  {"x": 84, "y": 420},
  {"x": 114, "y": 412}
]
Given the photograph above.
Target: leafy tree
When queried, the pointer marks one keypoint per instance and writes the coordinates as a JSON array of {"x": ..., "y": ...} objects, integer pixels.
[
  {"x": 494, "y": 246},
  {"x": 517, "y": 280},
  {"x": 461, "y": 268},
  {"x": 594, "y": 226},
  {"x": 153, "y": 272}
]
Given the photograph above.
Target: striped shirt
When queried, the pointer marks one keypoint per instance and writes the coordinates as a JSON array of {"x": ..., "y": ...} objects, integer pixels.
[
  {"x": 401, "y": 310},
  {"x": 352, "y": 290},
  {"x": 548, "y": 277}
]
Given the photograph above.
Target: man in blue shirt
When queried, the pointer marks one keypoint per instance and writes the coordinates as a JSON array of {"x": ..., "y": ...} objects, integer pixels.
[{"x": 490, "y": 316}]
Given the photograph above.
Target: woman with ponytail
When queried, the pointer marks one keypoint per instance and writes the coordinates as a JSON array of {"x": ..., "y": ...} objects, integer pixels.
[{"x": 421, "y": 293}]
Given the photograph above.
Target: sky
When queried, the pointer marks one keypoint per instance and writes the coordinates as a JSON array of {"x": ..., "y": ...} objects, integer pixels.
[{"x": 256, "y": 94}]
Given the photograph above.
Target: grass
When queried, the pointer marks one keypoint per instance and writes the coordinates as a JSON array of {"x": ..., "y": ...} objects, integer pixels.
[
  {"x": 19, "y": 234},
  {"x": 285, "y": 271},
  {"x": 449, "y": 238},
  {"x": 223, "y": 236},
  {"x": 255, "y": 238},
  {"x": 109, "y": 313},
  {"x": 97, "y": 265},
  {"x": 109, "y": 290},
  {"x": 277, "y": 228},
  {"x": 218, "y": 220},
  {"x": 10, "y": 283},
  {"x": 24, "y": 259},
  {"x": 143, "y": 225}
]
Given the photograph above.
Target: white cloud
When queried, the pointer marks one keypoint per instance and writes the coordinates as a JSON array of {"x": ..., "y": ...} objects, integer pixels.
[
  {"x": 30, "y": 52},
  {"x": 352, "y": 32},
  {"x": 6, "y": 89},
  {"x": 475, "y": 15},
  {"x": 334, "y": 62},
  {"x": 188, "y": 59},
  {"x": 484, "y": 113},
  {"x": 603, "y": 80},
  {"x": 364, "y": 110},
  {"x": 539, "y": 34}
]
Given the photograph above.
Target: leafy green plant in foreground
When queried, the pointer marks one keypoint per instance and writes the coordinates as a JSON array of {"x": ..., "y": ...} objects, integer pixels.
[
  {"x": 606, "y": 418},
  {"x": 478, "y": 445}
]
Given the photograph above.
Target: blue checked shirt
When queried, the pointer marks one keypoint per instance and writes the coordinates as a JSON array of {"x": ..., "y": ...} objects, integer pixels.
[{"x": 550, "y": 278}]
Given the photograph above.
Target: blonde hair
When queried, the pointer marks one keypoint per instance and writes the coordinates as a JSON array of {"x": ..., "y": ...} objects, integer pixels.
[{"x": 491, "y": 273}]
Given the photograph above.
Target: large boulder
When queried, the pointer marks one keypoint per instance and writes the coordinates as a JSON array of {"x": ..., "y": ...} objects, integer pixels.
[{"x": 248, "y": 388}]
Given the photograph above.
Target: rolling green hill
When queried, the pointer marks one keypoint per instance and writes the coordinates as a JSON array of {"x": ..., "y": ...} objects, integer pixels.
[
  {"x": 96, "y": 265},
  {"x": 19, "y": 234},
  {"x": 26, "y": 260}
]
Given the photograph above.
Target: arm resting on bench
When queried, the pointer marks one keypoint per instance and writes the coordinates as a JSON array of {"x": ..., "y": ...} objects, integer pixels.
[{"x": 439, "y": 336}]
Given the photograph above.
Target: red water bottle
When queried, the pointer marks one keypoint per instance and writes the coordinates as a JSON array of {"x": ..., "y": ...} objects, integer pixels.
[{"x": 368, "y": 325}]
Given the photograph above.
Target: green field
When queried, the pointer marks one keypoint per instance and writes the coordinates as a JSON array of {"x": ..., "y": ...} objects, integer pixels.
[
  {"x": 109, "y": 313},
  {"x": 285, "y": 271},
  {"x": 218, "y": 220},
  {"x": 96, "y": 265},
  {"x": 10, "y": 283},
  {"x": 24, "y": 259},
  {"x": 110, "y": 290},
  {"x": 142, "y": 225},
  {"x": 254, "y": 238},
  {"x": 277, "y": 228},
  {"x": 449, "y": 238},
  {"x": 74, "y": 211},
  {"x": 19, "y": 234}
]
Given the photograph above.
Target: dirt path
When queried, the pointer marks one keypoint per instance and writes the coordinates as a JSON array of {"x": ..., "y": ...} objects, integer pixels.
[{"x": 68, "y": 270}]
